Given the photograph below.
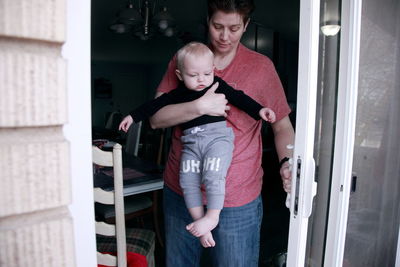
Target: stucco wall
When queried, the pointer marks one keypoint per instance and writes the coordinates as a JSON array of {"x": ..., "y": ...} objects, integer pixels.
[{"x": 35, "y": 224}]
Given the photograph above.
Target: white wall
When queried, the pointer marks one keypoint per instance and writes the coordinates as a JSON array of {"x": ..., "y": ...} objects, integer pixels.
[{"x": 78, "y": 130}]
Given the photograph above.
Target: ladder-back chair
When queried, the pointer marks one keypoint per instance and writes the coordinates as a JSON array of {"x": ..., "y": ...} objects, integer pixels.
[{"x": 117, "y": 233}]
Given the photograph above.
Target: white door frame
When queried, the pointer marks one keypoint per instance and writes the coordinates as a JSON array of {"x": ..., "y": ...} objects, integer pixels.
[
  {"x": 344, "y": 134},
  {"x": 76, "y": 52},
  {"x": 303, "y": 184},
  {"x": 78, "y": 130}
]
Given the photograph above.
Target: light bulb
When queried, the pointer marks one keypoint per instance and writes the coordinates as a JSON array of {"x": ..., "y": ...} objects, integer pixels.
[
  {"x": 330, "y": 30},
  {"x": 169, "y": 32},
  {"x": 163, "y": 24}
]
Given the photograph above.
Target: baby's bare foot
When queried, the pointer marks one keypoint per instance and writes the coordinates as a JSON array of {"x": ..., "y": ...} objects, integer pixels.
[
  {"x": 202, "y": 226},
  {"x": 207, "y": 240}
]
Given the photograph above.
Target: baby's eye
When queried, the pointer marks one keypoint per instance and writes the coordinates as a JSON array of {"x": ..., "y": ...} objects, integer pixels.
[{"x": 208, "y": 74}]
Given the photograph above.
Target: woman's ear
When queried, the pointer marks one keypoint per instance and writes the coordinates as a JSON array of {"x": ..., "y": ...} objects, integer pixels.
[{"x": 178, "y": 74}]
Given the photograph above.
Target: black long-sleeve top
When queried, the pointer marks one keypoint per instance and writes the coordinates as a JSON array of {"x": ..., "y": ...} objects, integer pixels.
[{"x": 181, "y": 95}]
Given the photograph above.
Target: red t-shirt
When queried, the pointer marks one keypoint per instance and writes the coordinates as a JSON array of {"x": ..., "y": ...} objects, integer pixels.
[{"x": 254, "y": 74}]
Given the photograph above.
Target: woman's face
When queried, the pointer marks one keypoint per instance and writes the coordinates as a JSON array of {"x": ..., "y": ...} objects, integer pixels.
[{"x": 225, "y": 30}]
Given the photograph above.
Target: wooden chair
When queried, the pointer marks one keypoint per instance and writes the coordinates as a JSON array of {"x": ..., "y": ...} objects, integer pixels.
[{"x": 113, "y": 238}]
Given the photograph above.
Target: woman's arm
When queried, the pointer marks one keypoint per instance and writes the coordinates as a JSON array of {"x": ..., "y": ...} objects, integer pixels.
[
  {"x": 284, "y": 135},
  {"x": 210, "y": 103}
]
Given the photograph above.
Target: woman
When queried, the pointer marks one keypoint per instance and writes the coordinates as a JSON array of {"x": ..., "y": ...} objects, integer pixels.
[{"x": 237, "y": 236}]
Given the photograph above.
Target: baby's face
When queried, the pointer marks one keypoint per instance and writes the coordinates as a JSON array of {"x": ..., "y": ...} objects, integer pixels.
[{"x": 198, "y": 72}]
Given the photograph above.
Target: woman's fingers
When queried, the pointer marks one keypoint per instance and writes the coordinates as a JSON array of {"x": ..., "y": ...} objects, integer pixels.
[
  {"x": 214, "y": 104},
  {"x": 286, "y": 175}
]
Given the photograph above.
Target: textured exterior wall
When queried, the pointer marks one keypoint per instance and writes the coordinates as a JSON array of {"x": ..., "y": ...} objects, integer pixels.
[
  {"x": 32, "y": 83},
  {"x": 35, "y": 225},
  {"x": 33, "y": 19},
  {"x": 37, "y": 239},
  {"x": 34, "y": 164}
]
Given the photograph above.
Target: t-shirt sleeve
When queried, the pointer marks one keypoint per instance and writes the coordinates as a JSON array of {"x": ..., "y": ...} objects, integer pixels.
[
  {"x": 271, "y": 93},
  {"x": 170, "y": 80},
  {"x": 280, "y": 106}
]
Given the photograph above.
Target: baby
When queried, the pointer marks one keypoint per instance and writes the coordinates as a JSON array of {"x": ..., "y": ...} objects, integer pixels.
[{"x": 207, "y": 141}]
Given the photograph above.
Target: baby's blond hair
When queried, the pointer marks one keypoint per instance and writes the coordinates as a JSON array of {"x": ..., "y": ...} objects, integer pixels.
[{"x": 192, "y": 48}]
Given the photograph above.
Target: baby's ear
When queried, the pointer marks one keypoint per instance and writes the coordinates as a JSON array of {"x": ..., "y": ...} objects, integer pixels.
[{"x": 178, "y": 73}]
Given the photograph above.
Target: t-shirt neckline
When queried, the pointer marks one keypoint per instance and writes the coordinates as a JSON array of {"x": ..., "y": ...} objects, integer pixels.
[{"x": 221, "y": 72}]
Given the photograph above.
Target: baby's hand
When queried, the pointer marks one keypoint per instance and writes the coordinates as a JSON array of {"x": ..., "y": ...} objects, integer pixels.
[
  {"x": 267, "y": 114},
  {"x": 125, "y": 123}
]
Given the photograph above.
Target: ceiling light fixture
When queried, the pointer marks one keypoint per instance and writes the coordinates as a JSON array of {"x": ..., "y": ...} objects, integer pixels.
[{"x": 144, "y": 21}]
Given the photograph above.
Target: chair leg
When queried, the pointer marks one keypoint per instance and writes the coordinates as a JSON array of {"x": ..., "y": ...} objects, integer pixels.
[{"x": 155, "y": 218}]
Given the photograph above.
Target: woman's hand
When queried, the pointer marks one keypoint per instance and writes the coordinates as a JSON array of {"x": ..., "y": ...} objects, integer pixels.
[
  {"x": 267, "y": 114},
  {"x": 209, "y": 104},
  {"x": 125, "y": 123},
  {"x": 213, "y": 104},
  {"x": 286, "y": 175}
]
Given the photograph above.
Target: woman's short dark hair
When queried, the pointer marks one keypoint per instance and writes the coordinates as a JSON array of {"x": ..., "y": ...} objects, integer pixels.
[{"x": 243, "y": 7}]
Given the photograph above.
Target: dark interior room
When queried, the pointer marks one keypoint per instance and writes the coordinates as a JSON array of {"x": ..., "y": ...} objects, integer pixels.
[{"x": 127, "y": 66}]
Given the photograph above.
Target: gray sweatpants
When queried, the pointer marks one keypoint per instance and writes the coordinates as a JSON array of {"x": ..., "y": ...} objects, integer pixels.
[{"x": 206, "y": 157}]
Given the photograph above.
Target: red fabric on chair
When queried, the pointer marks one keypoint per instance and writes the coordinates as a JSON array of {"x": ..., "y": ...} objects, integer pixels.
[{"x": 133, "y": 260}]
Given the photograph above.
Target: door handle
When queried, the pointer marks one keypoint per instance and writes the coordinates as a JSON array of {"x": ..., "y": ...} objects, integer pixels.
[
  {"x": 310, "y": 188},
  {"x": 297, "y": 187}
]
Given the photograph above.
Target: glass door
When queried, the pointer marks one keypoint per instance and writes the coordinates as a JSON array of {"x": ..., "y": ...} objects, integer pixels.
[
  {"x": 327, "y": 124},
  {"x": 372, "y": 233}
]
